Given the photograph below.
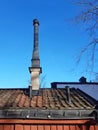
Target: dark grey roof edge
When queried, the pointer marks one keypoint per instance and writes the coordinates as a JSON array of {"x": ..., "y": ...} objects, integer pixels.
[
  {"x": 90, "y": 83},
  {"x": 14, "y": 88},
  {"x": 49, "y": 114}
]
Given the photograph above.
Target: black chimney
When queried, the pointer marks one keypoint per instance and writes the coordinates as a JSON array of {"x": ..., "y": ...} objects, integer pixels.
[{"x": 82, "y": 80}]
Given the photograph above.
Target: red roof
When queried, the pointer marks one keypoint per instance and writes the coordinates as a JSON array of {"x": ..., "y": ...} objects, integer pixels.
[
  {"x": 15, "y": 101},
  {"x": 49, "y": 99}
]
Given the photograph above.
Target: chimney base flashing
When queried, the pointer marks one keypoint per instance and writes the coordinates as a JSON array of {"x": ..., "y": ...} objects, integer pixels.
[{"x": 33, "y": 92}]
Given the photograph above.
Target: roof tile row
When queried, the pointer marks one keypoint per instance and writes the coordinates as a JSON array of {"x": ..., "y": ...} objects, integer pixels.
[{"x": 49, "y": 99}]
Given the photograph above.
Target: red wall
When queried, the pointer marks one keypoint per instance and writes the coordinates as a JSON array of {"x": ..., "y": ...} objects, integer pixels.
[{"x": 48, "y": 125}]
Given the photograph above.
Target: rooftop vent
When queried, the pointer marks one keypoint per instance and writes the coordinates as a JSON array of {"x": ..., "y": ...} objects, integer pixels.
[{"x": 68, "y": 95}]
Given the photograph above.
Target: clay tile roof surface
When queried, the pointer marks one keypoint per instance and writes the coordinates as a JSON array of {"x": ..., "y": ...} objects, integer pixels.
[{"x": 48, "y": 99}]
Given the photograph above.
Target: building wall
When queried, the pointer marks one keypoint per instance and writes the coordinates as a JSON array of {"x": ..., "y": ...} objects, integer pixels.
[
  {"x": 77, "y": 85},
  {"x": 48, "y": 125}
]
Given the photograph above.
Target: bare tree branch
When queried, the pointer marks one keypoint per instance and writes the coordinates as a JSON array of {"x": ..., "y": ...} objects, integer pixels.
[{"x": 89, "y": 18}]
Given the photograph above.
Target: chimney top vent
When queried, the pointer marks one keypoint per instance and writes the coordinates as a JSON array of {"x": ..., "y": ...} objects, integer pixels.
[{"x": 35, "y": 21}]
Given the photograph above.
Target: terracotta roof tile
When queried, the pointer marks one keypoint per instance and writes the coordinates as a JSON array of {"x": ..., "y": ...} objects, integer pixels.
[{"x": 49, "y": 99}]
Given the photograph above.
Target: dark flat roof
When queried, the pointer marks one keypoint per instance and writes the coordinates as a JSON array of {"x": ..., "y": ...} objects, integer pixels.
[{"x": 90, "y": 83}]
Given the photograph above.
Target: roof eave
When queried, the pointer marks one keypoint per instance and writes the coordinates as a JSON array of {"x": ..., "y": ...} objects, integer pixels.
[{"x": 49, "y": 114}]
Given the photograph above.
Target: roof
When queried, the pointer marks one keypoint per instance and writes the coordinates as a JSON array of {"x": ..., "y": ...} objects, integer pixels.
[
  {"x": 17, "y": 103},
  {"x": 48, "y": 99},
  {"x": 91, "y": 88}
]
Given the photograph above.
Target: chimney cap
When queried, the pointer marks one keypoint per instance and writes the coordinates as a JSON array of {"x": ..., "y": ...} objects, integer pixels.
[{"x": 35, "y": 21}]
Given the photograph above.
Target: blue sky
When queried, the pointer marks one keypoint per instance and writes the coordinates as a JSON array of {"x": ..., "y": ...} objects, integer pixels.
[{"x": 60, "y": 41}]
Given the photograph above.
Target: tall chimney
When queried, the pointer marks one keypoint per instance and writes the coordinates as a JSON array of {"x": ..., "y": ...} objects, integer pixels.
[{"x": 35, "y": 68}]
